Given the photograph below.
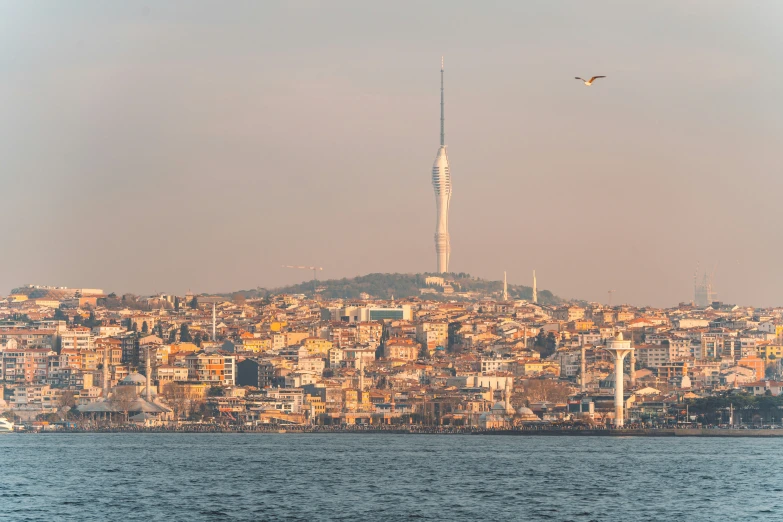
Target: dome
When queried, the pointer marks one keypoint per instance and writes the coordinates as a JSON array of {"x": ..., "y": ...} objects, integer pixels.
[
  {"x": 526, "y": 415},
  {"x": 135, "y": 378},
  {"x": 499, "y": 406}
]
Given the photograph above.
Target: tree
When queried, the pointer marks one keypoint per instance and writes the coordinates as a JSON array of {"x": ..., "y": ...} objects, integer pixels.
[
  {"x": 123, "y": 398},
  {"x": 184, "y": 334},
  {"x": 176, "y": 304},
  {"x": 173, "y": 335},
  {"x": 91, "y": 321},
  {"x": 215, "y": 391},
  {"x": 453, "y": 334},
  {"x": 551, "y": 343},
  {"x": 135, "y": 327},
  {"x": 239, "y": 299},
  {"x": 537, "y": 390},
  {"x": 194, "y": 302},
  {"x": 197, "y": 340},
  {"x": 145, "y": 328},
  {"x": 66, "y": 401},
  {"x": 59, "y": 315},
  {"x": 176, "y": 397}
]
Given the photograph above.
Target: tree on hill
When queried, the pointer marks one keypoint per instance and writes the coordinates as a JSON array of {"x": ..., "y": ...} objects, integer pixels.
[
  {"x": 59, "y": 315},
  {"x": 453, "y": 333},
  {"x": 145, "y": 328},
  {"x": 184, "y": 334}
]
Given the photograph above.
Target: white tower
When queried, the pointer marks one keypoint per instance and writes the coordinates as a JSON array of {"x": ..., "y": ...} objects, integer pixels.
[
  {"x": 149, "y": 376},
  {"x": 583, "y": 375},
  {"x": 505, "y": 287},
  {"x": 441, "y": 181},
  {"x": 619, "y": 348},
  {"x": 535, "y": 291},
  {"x": 214, "y": 322}
]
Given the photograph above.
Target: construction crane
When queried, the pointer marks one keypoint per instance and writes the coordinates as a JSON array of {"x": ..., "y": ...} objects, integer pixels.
[
  {"x": 610, "y": 297},
  {"x": 315, "y": 270}
]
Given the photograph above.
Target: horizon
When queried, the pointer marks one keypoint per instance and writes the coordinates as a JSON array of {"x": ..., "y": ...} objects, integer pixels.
[
  {"x": 161, "y": 147},
  {"x": 307, "y": 282}
]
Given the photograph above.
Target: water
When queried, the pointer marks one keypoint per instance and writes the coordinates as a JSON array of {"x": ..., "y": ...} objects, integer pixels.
[{"x": 193, "y": 477}]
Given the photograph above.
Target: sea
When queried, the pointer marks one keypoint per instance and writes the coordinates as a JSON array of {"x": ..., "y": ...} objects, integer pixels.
[{"x": 364, "y": 477}]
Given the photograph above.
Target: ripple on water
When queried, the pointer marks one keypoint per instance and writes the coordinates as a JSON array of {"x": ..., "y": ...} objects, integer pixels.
[{"x": 387, "y": 477}]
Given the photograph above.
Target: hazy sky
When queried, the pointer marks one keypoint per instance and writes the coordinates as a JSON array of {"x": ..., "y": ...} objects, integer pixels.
[{"x": 162, "y": 146}]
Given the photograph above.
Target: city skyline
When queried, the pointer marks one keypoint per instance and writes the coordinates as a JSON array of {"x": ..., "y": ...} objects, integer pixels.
[{"x": 148, "y": 141}]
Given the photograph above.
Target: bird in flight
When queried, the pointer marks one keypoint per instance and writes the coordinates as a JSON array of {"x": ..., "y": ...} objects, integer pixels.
[{"x": 590, "y": 81}]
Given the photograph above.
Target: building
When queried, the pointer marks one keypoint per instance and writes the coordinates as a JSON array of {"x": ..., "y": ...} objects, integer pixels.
[
  {"x": 401, "y": 348},
  {"x": 79, "y": 338},
  {"x": 432, "y": 334},
  {"x": 215, "y": 369},
  {"x": 441, "y": 182},
  {"x": 26, "y": 365}
]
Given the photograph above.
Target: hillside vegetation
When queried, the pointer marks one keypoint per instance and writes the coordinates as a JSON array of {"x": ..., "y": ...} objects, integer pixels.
[{"x": 384, "y": 286}]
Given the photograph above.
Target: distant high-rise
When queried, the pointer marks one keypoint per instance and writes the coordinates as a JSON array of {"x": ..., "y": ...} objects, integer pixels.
[{"x": 441, "y": 181}]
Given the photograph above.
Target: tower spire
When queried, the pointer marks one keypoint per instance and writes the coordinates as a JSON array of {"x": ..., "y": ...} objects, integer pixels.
[{"x": 442, "y": 126}]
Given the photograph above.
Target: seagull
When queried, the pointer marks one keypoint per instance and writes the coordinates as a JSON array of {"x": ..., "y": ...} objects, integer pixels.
[{"x": 590, "y": 81}]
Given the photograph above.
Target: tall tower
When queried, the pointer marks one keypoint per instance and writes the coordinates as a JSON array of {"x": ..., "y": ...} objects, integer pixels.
[
  {"x": 535, "y": 291},
  {"x": 619, "y": 348},
  {"x": 505, "y": 287},
  {"x": 441, "y": 181}
]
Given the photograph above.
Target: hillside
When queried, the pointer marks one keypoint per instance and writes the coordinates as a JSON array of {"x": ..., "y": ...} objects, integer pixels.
[{"x": 384, "y": 286}]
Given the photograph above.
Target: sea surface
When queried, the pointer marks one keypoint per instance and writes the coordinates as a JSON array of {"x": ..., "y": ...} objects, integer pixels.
[{"x": 195, "y": 477}]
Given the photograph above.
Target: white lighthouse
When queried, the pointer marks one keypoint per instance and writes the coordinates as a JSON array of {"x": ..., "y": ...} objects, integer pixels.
[
  {"x": 441, "y": 181},
  {"x": 619, "y": 348}
]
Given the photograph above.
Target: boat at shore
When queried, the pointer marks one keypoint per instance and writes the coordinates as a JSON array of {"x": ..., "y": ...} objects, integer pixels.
[{"x": 6, "y": 426}]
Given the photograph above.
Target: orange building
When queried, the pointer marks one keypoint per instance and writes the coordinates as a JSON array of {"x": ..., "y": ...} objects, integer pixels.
[{"x": 755, "y": 363}]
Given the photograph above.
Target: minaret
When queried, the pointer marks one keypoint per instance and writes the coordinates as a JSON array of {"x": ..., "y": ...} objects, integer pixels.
[
  {"x": 441, "y": 181},
  {"x": 632, "y": 369},
  {"x": 584, "y": 367},
  {"x": 361, "y": 373},
  {"x": 149, "y": 376},
  {"x": 214, "y": 322},
  {"x": 505, "y": 287},
  {"x": 106, "y": 353},
  {"x": 508, "y": 395},
  {"x": 535, "y": 291}
]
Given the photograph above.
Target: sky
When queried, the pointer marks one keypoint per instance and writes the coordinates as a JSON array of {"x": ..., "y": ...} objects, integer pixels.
[{"x": 167, "y": 146}]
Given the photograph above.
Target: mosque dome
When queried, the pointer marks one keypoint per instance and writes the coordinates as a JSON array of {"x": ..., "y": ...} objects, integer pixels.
[
  {"x": 135, "y": 379},
  {"x": 499, "y": 407},
  {"x": 153, "y": 391},
  {"x": 526, "y": 414}
]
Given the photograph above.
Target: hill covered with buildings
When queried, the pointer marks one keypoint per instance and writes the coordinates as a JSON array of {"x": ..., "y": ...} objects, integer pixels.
[{"x": 456, "y": 286}]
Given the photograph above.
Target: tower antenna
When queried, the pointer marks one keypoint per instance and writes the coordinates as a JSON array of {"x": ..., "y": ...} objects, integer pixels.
[{"x": 442, "y": 122}]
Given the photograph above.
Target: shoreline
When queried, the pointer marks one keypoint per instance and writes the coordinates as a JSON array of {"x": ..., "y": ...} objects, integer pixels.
[{"x": 664, "y": 432}]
